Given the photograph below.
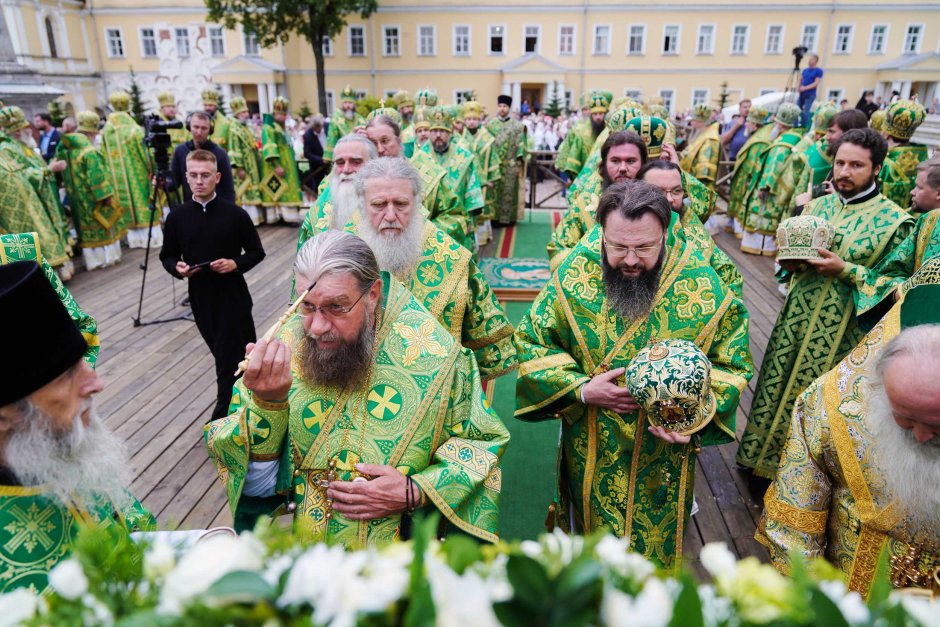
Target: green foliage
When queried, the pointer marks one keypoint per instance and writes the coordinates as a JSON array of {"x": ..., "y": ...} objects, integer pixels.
[
  {"x": 688, "y": 608},
  {"x": 420, "y": 610},
  {"x": 367, "y": 105},
  {"x": 138, "y": 112},
  {"x": 304, "y": 111},
  {"x": 569, "y": 599},
  {"x": 223, "y": 106},
  {"x": 57, "y": 110},
  {"x": 553, "y": 108}
]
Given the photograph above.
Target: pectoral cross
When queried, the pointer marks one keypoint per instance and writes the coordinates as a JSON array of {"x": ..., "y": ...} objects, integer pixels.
[{"x": 904, "y": 570}]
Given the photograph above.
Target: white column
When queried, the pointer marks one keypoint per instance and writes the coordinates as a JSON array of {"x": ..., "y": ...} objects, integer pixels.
[
  {"x": 516, "y": 96},
  {"x": 263, "y": 105},
  {"x": 507, "y": 89},
  {"x": 272, "y": 94},
  {"x": 906, "y": 89},
  {"x": 227, "y": 95}
]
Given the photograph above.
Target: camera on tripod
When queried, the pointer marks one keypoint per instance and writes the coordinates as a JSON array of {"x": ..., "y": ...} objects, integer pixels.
[
  {"x": 158, "y": 139},
  {"x": 798, "y": 53}
]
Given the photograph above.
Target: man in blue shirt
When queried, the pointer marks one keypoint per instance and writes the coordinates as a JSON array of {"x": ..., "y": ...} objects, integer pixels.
[
  {"x": 735, "y": 134},
  {"x": 48, "y": 136},
  {"x": 810, "y": 81}
]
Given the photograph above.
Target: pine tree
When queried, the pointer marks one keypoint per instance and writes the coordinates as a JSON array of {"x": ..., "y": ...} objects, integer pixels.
[
  {"x": 137, "y": 106},
  {"x": 57, "y": 110},
  {"x": 553, "y": 108},
  {"x": 304, "y": 112},
  {"x": 223, "y": 106}
]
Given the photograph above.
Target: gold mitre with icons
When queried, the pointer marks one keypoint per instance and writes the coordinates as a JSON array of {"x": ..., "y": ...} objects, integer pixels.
[
  {"x": 12, "y": 119},
  {"x": 600, "y": 101},
  {"x": 442, "y": 119},
  {"x": 166, "y": 99},
  {"x": 88, "y": 121},
  {"x": 120, "y": 100},
  {"x": 801, "y": 237},
  {"x": 472, "y": 109},
  {"x": 702, "y": 113},
  {"x": 389, "y": 112},
  {"x": 210, "y": 96},
  {"x": 903, "y": 118},
  {"x": 823, "y": 116},
  {"x": 426, "y": 97},
  {"x": 348, "y": 95},
  {"x": 616, "y": 119},
  {"x": 671, "y": 382},
  {"x": 280, "y": 105}
]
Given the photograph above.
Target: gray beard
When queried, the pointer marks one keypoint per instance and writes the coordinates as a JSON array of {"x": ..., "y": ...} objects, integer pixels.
[
  {"x": 910, "y": 469},
  {"x": 347, "y": 365},
  {"x": 631, "y": 297},
  {"x": 27, "y": 139},
  {"x": 349, "y": 115},
  {"x": 344, "y": 199},
  {"x": 398, "y": 254},
  {"x": 87, "y": 462}
]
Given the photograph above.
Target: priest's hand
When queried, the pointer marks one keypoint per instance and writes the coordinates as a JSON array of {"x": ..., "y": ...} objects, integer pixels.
[
  {"x": 831, "y": 264},
  {"x": 185, "y": 271},
  {"x": 58, "y": 165},
  {"x": 242, "y": 174},
  {"x": 603, "y": 392},
  {"x": 223, "y": 266},
  {"x": 669, "y": 154},
  {"x": 383, "y": 495},
  {"x": 791, "y": 265},
  {"x": 268, "y": 373},
  {"x": 279, "y": 171},
  {"x": 666, "y": 435}
]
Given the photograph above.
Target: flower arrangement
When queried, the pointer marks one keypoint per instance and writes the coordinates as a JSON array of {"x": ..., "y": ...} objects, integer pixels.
[{"x": 264, "y": 579}]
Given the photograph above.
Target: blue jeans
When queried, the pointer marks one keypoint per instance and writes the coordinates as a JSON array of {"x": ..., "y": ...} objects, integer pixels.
[{"x": 805, "y": 103}]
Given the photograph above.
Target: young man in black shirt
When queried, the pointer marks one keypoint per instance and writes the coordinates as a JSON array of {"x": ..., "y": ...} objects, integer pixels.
[
  {"x": 200, "y": 126},
  {"x": 212, "y": 243}
]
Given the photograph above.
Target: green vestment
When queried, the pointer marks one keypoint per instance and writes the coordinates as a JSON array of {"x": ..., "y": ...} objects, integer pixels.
[
  {"x": 445, "y": 207},
  {"x": 747, "y": 166},
  {"x": 481, "y": 144},
  {"x": 99, "y": 222},
  {"x": 504, "y": 200},
  {"x": 220, "y": 130},
  {"x": 340, "y": 127},
  {"x": 461, "y": 178},
  {"x": 576, "y": 148},
  {"x": 701, "y": 158},
  {"x": 243, "y": 153},
  {"x": 128, "y": 163},
  {"x": 613, "y": 473},
  {"x": 422, "y": 411},
  {"x": 763, "y": 216},
  {"x": 817, "y": 325},
  {"x": 899, "y": 172},
  {"x": 408, "y": 140},
  {"x": 277, "y": 151},
  {"x": 810, "y": 165}
]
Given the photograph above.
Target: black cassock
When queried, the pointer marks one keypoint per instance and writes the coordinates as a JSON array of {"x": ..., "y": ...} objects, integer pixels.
[{"x": 221, "y": 303}]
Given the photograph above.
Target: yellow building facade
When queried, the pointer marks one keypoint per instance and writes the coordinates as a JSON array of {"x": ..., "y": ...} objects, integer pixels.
[{"x": 680, "y": 51}]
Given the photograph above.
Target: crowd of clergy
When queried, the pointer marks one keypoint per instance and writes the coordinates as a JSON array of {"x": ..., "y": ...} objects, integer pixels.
[{"x": 366, "y": 403}]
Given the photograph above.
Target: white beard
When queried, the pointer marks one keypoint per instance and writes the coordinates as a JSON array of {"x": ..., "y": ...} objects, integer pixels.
[
  {"x": 349, "y": 115},
  {"x": 26, "y": 137},
  {"x": 86, "y": 461},
  {"x": 398, "y": 253},
  {"x": 910, "y": 469},
  {"x": 344, "y": 198}
]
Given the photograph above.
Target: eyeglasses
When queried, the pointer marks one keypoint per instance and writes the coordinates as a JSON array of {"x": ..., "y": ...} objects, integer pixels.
[
  {"x": 332, "y": 310},
  {"x": 675, "y": 192},
  {"x": 643, "y": 252}
]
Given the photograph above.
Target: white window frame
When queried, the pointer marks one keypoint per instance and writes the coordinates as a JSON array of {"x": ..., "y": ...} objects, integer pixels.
[
  {"x": 489, "y": 39},
  {"x": 386, "y": 51},
  {"x": 920, "y": 37},
  {"x": 176, "y": 42},
  {"x": 120, "y": 40},
  {"x": 327, "y": 46},
  {"x": 849, "y": 42},
  {"x": 330, "y": 102},
  {"x": 747, "y": 40},
  {"x": 671, "y": 107},
  {"x": 574, "y": 39},
  {"x": 143, "y": 46},
  {"x": 838, "y": 90},
  {"x": 698, "y": 39},
  {"x": 221, "y": 31},
  {"x": 783, "y": 36},
  {"x": 419, "y": 38},
  {"x": 538, "y": 38},
  {"x": 884, "y": 38},
  {"x": 247, "y": 48},
  {"x": 815, "y": 47},
  {"x": 705, "y": 100},
  {"x": 466, "y": 93},
  {"x": 610, "y": 35},
  {"x": 643, "y": 38},
  {"x": 469, "y": 51},
  {"x": 349, "y": 40},
  {"x": 675, "y": 52}
]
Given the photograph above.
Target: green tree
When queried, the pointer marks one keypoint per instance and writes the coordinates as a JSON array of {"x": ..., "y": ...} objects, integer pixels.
[
  {"x": 223, "y": 105},
  {"x": 137, "y": 106},
  {"x": 57, "y": 111},
  {"x": 553, "y": 108},
  {"x": 275, "y": 21},
  {"x": 367, "y": 105},
  {"x": 304, "y": 111},
  {"x": 724, "y": 96}
]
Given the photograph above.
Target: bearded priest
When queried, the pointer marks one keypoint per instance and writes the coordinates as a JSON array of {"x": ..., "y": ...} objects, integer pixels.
[
  {"x": 361, "y": 411},
  {"x": 61, "y": 469}
]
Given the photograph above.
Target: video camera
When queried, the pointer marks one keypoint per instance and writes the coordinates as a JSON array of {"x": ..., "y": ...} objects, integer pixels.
[
  {"x": 158, "y": 139},
  {"x": 798, "y": 53}
]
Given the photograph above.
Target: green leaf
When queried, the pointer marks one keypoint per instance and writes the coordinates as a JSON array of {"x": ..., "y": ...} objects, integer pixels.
[
  {"x": 529, "y": 580},
  {"x": 688, "y": 608},
  {"x": 241, "y": 587},
  {"x": 580, "y": 574},
  {"x": 881, "y": 582},
  {"x": 420, "y": 611},
  {"x": 825, "y": 612},
  {"x": 461, "y": 551}
]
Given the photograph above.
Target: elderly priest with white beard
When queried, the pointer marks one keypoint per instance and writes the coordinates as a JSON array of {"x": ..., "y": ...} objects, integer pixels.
[
  {"x": 60, "y": 468},
  {"x": 361, "y": 411},
  {"x": 860, "y": 472}
]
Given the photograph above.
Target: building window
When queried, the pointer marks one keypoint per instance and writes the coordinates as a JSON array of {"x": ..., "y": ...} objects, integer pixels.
[
  {"x": 913, "y": 38},
  {"x": 668, "y": 96},
  {"x": 462, "y": 41},
  {"x": 835, "y": 95},
  {"x": 50, "y": 38},
  {"x": 699, "y": 96},
  {"x": 763, "y": 91},
  {"x": 568, "y": 96},
  {"x": 217, "y": 41},
  {"x": 774, "y": 44},
  {"x": 636, "y": 94},
  {"x": 357, "y": 41},
  {"x": 330, "y": 102},
  {"x": 739, "y": 37},
  {"x": 182, "y": 42},
  {"x": 327, "y": 46},
  {"x": 390, "y": 41},
  {"x": 876, "y": 43},
  {"x": 843, "y": 43},
  {"x": 115, "y": 42},
  {"x": 671, "y": 39},
  {"x": 497, "y": 39},
  {"x": 252, "y": 49},
  {"x": 427, "y": 41},
  {"x": 809, "y": 36},
  {"x": 636, "y": 42},
  {"x": 390, "y": 94},
  {"x": 463, "y": 95},
  {"x": 706, "y": 39},
  {"x": 566, "y": 40},
  {"x": 601, "y": 39},
  {"x": 530, "y": 42},
  {"x": 148, "y": 42}
]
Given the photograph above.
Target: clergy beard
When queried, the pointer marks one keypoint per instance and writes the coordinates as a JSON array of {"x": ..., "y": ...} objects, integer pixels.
[
  {"x": 338, "y": 367},
  {"x": 344, "y": 198},
  {"x": 631, "y": 296},
  {"x": 905, "y": 464},
  {"x": 597, "y": 127},
  {"x": 26, "y": 137},
  {"x": 775, "y": 132},
  {"x": 473, "y": 131},
  {"x": 85, "y": 461},
  {"x": 396, "y": 251},
  {"x": 349, "y": 115}
]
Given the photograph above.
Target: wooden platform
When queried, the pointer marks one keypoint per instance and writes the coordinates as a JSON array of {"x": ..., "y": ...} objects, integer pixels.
[{"x": 160, "y": 388}]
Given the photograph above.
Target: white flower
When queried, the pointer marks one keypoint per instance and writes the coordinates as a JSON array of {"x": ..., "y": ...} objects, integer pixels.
[
  {"x": 651, "y": 608},
  {"x": 159, "y": 560},
  {"x": 96, "y": 612},
  {"x": 555, "y": 550},
  {"x": 68, "y": 579},
  {"x": 926, "y": 613},
  {"x": 18, "y": 606},
  {"x": 851, "y": 605},
  {"x": 716, "y": 610},
  {"x": 277, "y": 567},
  {"x": 718, "y": 560},
  {"x": 615, "y": 554},
  {"x": 459, "y": 600},
  {"x": 495, "y": 577},
  {"x": 204, "y": 564}
]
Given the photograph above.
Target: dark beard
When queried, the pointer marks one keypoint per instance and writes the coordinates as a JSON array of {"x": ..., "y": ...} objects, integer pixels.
[
  {"x": 473, "y": 131},
  {"x": 631, "y": 297},
  {"x": 857, "y": 190},
  {"x": 348, "y": 364},
  {"x": 597, "y": 127}
]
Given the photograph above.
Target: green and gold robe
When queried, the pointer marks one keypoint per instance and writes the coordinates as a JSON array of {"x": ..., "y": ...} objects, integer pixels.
[
  {"x": 899, "y": 172},
  {"x": 29, "y": 197},
  {"x": 37, "y": 530},
  {"x": 809, "y": 166},
  {"x": 445, "y": 207},
  {"x": 26, "y": 247},
  {"x": 574, "y": 148},
  {"x": 339, "y": 128},
  {"x": 504, "y": 203},
  {"x": 99, "y": 222},
  {"x": 422, "y": 411},
  {"x": 128, "y": 163},
  {"x": 243, "y": 153},
  {"x": 828, "y": 499},
  {"x": 408, "y": 140},
  {"x": 462, "y": 180},
  {"x": 701, "y": 158},
  {"x": 485, "y": 159},
  {"x": 817, "y": 325},
  {"x": 764, "y": 216},
  {"x": 280, "y": 195},
  {"x": 747, "y": 166},
  {"x": 220, "y": 130},
  {"x": 613, "y": 473}
]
